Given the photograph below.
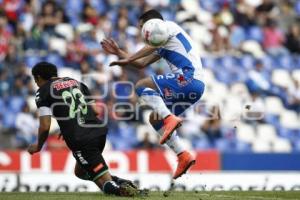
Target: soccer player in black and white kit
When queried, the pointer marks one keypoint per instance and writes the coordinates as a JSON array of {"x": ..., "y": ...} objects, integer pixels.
[{"x": 68, "y": 101}]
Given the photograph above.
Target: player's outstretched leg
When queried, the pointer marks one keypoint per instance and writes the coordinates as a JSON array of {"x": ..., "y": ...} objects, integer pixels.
[
  {"x": 108, "y": 186},
  {"x": 171, "y": 123},
  {"x": 121, "y": 181},
  {"x": 111, "y": 185},
  {"x": 84, "y": 175},
  {"x": 185, "y": 159},
  {"x": 148, "y": 95}
]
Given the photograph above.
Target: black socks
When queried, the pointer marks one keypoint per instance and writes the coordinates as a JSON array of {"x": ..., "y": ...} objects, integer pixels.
[{"x": 110, "y": 187}]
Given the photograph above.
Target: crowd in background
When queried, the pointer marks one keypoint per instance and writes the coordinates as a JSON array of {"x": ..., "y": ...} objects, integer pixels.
[{"x": 68, "y": 33}]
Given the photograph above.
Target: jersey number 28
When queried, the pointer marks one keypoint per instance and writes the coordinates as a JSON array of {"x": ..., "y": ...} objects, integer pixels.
[{"x": 77, "y": 104}]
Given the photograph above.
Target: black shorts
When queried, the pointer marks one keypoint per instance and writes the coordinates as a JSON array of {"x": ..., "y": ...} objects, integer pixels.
[{"x": 90, "y": 158}]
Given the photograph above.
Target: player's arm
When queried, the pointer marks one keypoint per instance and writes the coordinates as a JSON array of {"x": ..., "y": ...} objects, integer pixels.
[
  {"x": 45, "y": 122},
  {"x": 45, "y": 113},
  {"x": 139, "y": 63},
  {"x": 139, "y": 60}
]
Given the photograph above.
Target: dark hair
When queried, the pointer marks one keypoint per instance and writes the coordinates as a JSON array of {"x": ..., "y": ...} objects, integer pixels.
[
  {"x": 150, "y": 14},
  {"x": 45, "y": 70}
]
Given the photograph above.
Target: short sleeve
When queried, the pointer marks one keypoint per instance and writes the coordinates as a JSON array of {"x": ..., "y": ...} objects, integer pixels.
[
  {"x": 158, "y": 52},
  {"x": 85, "y": 90},
  {"x": 42, "y": 98}
]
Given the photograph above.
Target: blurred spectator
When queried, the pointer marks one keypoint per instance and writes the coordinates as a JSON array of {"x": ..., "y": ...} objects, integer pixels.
[
  {"x": 35, "y": 39},
  {"x": 287, "y": 15},
  {"x": 258, "y": 81},
  {"x": 293, "y": 39},
  {"x": 212, "y": 127},
  {"x": 5, "y": 83},
  {"x": 146, "y": 144},
  {"x": 27, "y": 126},
  {"x": 50, "y": 16},
  {"x": 76, "y": 51},
  {"x": 89, "y": 14},
  {"x": 23, "y": 85},
  {"x": 244, "y": 15},
  {"x": 27, "y": 17},
  {"x": 273, "y": 39},
  {"x": 5, "y": 37},
  {"x": 12, "y": 10},
  {"x": 266, "y": 11},
  {"x": 237, "y": 36},
  {"x": 294, "y": 96}
]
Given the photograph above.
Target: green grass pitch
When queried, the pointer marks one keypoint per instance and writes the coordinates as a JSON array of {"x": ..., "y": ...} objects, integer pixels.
[{"x": 157, "y": 196}]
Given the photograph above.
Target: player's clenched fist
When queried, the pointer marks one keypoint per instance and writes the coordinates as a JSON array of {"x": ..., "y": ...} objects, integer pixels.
[{"x": 33, "y": 148}]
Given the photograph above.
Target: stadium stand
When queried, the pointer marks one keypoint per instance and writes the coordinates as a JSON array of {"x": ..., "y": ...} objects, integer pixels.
[{"x": 257, "y": 78}]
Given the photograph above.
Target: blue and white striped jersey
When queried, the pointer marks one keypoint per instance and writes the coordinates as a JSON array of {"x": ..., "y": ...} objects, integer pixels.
[{"x": 180, "y": 52}]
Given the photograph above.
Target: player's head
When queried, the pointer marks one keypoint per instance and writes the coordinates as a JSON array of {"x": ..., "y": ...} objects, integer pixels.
[
  {"x": 43, "y": 72},
  {"x": 150, "y": 14}
]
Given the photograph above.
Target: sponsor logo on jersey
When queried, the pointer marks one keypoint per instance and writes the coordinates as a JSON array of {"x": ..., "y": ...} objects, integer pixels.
[{"x": 65, "y": 84}]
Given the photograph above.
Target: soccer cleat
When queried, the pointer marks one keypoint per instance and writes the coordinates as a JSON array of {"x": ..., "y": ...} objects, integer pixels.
[
  {"x": 171, "y": 123},
  {"x": 127, "y": 190},
  {"x": 185, "y": 161},
  {"x": 121, "y": 181}
]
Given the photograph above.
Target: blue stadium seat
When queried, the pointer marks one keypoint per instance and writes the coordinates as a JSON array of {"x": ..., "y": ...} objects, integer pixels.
[
  {"x": 272, "y": 119},
  {"x": 296, "y": 62},
  {"x": 285, "y": 61},
  {"x": 55, "y": 59},
  {"x": 291, "y": 134},
  {"x": 201, "y": 143},
  {"x": 297, "y": 7},
  {"x": 296, "y": 145},
  {"x": 268, "y": 62},
  {"x": 73, "y": 7},
  {"x": 127, "y": 131},
  {"x": 247, "y": 62},
  {"x": 15, "y": 104},
  {"x": 31, "y": 60},
  {"x": 120, "y": 145},
  {"x": 242, "y": 147},
  {"x": 209, "y": 62},
  {"x": 225, "y": 145},
  {"x": 228, "y": 62},
  {"x": 123, "y": 91},
  {"x": 211, "y": 6},
  {"x": 237, "y": 37},
  {"x": 255, "y": 33},
  {"x": 100, "y": 5},
  {"x": 2, "y": 106},
  {"x": 9, "y": 119}
]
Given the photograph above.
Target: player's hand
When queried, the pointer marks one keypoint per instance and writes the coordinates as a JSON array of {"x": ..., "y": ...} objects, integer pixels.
[
  {"x": 110, "y": 46},
  {"x": 122, "y": 62},
  {"x": 33, "y": 148}
]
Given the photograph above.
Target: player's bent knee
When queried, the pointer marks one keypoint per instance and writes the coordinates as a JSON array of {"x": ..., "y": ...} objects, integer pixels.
[
  {"x": 154, "y": 118},
  {"x": 156, "y": 121},
  {"x": 144, "y": 83}
]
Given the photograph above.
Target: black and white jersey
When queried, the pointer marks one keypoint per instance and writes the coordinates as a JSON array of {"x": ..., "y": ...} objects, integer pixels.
[{"x": 69, "y": 102}]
